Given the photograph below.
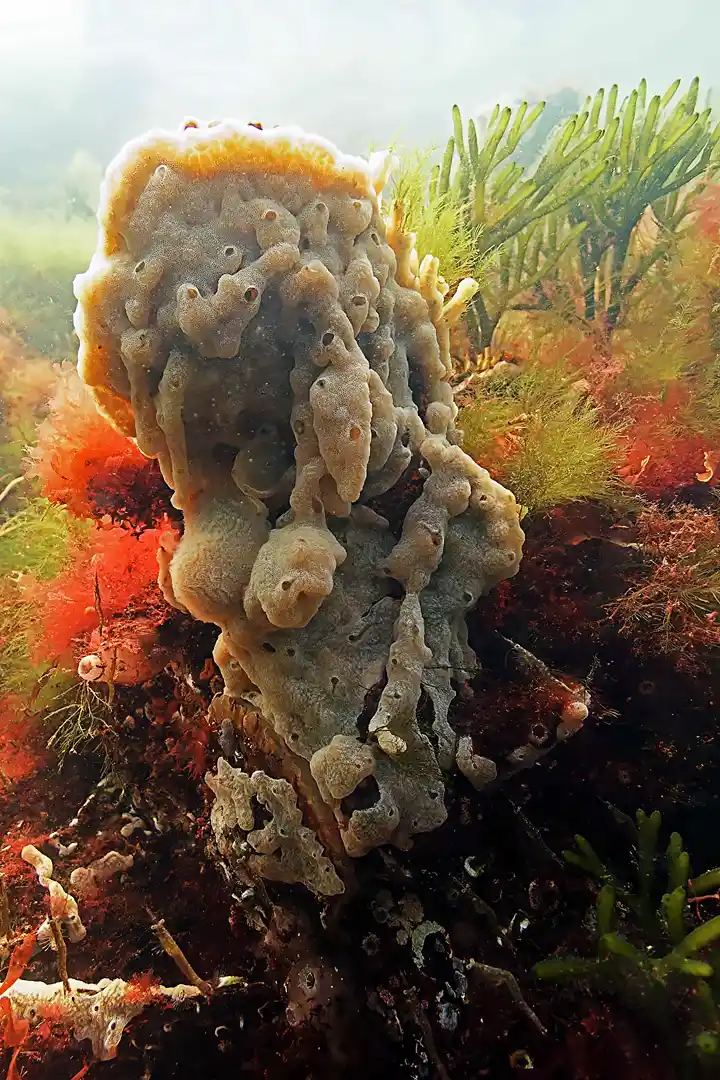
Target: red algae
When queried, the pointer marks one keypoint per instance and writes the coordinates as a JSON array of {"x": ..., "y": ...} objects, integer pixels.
[
  {"x": 20, "y": 757},
  {"x": 19, "y": 961},
  {"x": 673, "y": 606},
  {"x": 660, "y": 454},
  {"x": 83, "y": 462},
  {"x": 112, "y": 572},
  {"x": 707, "y": 213}
]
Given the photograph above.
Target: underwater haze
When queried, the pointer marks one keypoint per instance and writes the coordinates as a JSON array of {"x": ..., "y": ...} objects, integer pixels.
[
  {"x": 89, "y": 74},
  {"x": 359, "y": 540}
]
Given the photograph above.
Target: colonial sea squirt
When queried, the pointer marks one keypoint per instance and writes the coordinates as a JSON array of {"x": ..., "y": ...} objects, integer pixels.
[{"x": 255, "y": 324}]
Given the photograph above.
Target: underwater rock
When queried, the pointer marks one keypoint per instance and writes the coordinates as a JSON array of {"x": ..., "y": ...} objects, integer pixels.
[{"x": 254, "y": 323}]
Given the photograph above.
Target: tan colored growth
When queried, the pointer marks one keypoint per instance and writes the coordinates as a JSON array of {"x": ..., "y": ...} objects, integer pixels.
[
  {"x": 283, "y": 849},
  {"x": 251, "y": 319},
  {"x": 98, "y": 1011}
]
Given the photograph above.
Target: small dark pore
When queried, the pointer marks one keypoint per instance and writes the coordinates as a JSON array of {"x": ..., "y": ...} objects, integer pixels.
[{"x": 365, "y": 795}]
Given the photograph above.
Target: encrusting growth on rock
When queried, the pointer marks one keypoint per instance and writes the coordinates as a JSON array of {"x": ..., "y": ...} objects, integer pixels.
[
  {"x": 252, "y": 322},
  {"x": 283, "y": 849},
  {"x": 98, "y": 1011},
  {"x": 87, "y": 880}
]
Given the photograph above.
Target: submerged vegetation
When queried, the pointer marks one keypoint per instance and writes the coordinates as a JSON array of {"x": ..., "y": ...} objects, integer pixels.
[
  {"x": 34, "y": 545},
  {"x": 675, "y": 606},
  {"x": 578, "y": 230},
  {"x": 539, "y": 433},
  {"x": 588, "y": 382},
  {"x": 652, "y": 949},
  {"x": 39, "y": 257},
  {"x": 438, "y": 223}
]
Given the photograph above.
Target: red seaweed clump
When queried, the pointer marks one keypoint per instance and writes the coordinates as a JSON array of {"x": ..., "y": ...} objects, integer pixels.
[
  {"x": 707, "y": 212},
  {"x": 673, "y": 605},
  {"x": 83, "y": 462},
  {"x": 661, "y": 455},
  {"x": 113, "y": 573},
  {"x": 20, "y": 756}
]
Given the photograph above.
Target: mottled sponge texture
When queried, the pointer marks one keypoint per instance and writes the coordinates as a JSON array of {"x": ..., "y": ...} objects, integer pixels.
[{"x": 255, "y": 324}]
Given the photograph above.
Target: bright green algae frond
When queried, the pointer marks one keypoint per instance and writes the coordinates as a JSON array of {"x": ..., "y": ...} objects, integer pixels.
[
  {"x": 34, "y": 542},
  {"x": 436, "y": 219},
  {"x": 651, "y": 951}
]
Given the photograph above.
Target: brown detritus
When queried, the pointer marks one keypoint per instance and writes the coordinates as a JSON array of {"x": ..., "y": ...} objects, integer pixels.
[
  {"x": 497, "y": 977},
  {"x": 173, "y": 950},
  {"x": 61, "y": 950},
  {"x": 5, "y": 917}
]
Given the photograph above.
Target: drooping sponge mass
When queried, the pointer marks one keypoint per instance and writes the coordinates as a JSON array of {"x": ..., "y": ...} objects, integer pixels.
[{"x": 257, "y": 326}]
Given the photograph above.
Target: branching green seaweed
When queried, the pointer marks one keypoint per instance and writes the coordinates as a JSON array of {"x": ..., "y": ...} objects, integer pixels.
[
  {"x": 652, "y": 151},
  {"x": 581, "y": 206},
  {"x": 436, "y": 219},
  {"x": 649, "y": 954}
]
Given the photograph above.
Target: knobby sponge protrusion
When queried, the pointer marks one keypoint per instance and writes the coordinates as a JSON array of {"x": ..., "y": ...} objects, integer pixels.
[
  {"x": 251, "y": 318},
  {"x": 284, "y": 849},
  {"x": 294, "y": 570},
  {"x": 87, "y": 880},
  {"x": 63, "y": 905}
]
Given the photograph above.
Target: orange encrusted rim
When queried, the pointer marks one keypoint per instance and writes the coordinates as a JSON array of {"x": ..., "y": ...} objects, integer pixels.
[
  {"x": 197, "y": 152},
  {"x": 200, "y": 153}
]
